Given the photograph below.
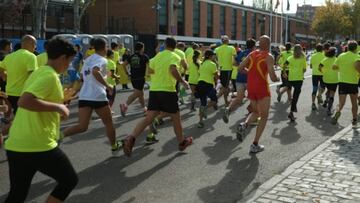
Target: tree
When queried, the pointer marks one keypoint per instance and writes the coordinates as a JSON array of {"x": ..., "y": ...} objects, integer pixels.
[
  {"x": 80, "y": 7},
  {"x": 39, "y": 14},
  {"x": 263, "y": 4},
  {"x": 12, "y": 8}
]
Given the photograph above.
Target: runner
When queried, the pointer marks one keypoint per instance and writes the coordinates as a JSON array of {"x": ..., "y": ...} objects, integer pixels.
[
  {"x": 208, "y": 74},
  {"x": 330, "y": 77},
  {"x": 194, "y": 76},
  {"x": 259, "y": 64},
  {"x": 42, "y": 58},
  {"x": 91, "y": 49},
  {"x": 297, "y": 67},
  {"x": 92, "y": 96},
  {"x": 317, "y": 80},
  {"x": 138, "y": 62},
  {"x": 285, "y": 86},
  {"x": 242, "y": 79},
  {"x": 179, "y": 50},
  {"x": 111, "y": 77},
  {"x": 5, "y": 49},
  {"x": 225, "y": 55},
  {"x": 18, "y": 67},
  {"x": 162, "y": 97},
  {"x": 32, "y": 144},
  {"x": 348, "y": 66}
]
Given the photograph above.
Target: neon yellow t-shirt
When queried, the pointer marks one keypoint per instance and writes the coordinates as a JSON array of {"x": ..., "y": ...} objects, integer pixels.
[
  {"x": 162, "y": 79},
  {"x": 282, "y": 59},
  {"x": 358, "y": 49},
  {"x": 89, "y": 52},
  {"x": 330, "y": 76},
  {"x": 296, "y": 68},
  {"x": 189, "y": 53},
  {"x": 207, "y": 72},
  {"x": 225, "y": 55},
  {"x": 194, "y": 73},
  {"x": 111, "y": 66},
  {"x": 181, "y": 54},
  {"x": 18, "y": 66},
  {"x": 122, "y": 51},
  {"x": 234, "y": 73},
  {"x": 116, "y": 57},
  {"x": 34, "y": 131},
  {"x": 42, "y": 59},
  {"x": 347, "y": 72},
  {"x": 315, "y": 60}
]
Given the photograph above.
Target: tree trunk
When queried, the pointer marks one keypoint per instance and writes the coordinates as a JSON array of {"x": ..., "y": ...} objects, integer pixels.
[
  {"x": 77, "y": 18},
  {"x": 44, "y": 18}
]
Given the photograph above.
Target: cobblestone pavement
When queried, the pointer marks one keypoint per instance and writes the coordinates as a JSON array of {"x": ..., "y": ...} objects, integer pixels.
[{"x": 331, "y": 173}]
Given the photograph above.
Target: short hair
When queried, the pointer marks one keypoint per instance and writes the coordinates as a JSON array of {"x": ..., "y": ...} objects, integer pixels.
[
  {"x": 288, "y": 46},
  {"x": 319, "y": 48},
  {"x": 99, "y": 44},
  {"x": 139, "y": 46},
  {"x": 109, "y": 53},
  {"x": 195, "y": 46},
  {"x": 58, "y": 47},
  {"x": 4, "y": 43},
  {"x": 170, "y": 42},
  {"x": 331, "y": 52},
  {"x": 180, "y": 45},
  {"x": 78, "y": 46},
  {"x": 352, "y": 45},
  {"x": 250, "y": 43},
  {"x": 114, "y": 45},
  {"x": 92, "y": 40},
  {"x": 326, "y": 46}
]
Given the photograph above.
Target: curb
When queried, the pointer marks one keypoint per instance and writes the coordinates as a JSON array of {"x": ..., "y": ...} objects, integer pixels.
[{"x": 269, "y": 184}]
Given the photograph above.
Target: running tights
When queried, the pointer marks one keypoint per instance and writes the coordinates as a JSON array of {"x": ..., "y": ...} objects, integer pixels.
[
  {"x": 297, "y": 90},
  {"x": 53, "y": 163}
]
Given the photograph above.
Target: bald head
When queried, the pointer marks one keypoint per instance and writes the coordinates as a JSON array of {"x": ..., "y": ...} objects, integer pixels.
[
  {"x": 264, "y": 42},
  {"x": 28, "y": 42}
]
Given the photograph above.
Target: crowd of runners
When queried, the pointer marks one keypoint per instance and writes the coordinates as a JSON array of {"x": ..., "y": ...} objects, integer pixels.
[{"x": 36, "y": 92}]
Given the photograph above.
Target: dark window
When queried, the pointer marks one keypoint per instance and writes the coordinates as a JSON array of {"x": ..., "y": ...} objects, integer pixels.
[
  {"x": 222, "y": 20},
  {"x": 181, "y": 19},
  {"x": 253, "y": 26},
  {"x": 196, "y": 18},
  {"x": 234, "y": 24},
  {"x": 244, "y": 25},
  {"x": 163, "y": 17},
  {"x": 210, "y": 20}
]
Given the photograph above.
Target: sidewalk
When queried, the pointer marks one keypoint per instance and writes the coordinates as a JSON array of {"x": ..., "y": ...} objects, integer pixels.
[{"x": 330, "y": 173}]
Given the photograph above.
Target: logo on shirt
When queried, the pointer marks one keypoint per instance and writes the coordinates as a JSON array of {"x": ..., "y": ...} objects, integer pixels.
[{"x": 87, "y": 72}]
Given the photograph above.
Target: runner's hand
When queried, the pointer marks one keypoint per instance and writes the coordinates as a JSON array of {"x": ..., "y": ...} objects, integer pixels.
[
  {"x": 4, "y": 108},
  {"x": 185, "y": 84},
  {"x": 69, "y": 94},
  {"x": 3, "y": 94},
  {"x": 63, "y": 111}
]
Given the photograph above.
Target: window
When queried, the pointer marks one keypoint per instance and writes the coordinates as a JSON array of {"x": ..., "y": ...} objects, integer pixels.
[
  {"x": 181, "y": 19},
  {"x": 253, "y": 26},
  {"x": 163, "y": 17},
  {"x": 222, "y": 20},
  {"x": 196, "y": 18},
  {"x": 210, "y": 20},
  {"x": 244, "y": 26},
  {"x": 234, "y": 24}
]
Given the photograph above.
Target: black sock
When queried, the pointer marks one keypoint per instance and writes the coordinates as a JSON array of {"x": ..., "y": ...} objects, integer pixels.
[{"x": 255, "y": 143}]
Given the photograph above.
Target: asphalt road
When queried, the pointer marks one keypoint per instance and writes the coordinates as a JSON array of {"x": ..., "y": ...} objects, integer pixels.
[{"x": 216, "y": 168}]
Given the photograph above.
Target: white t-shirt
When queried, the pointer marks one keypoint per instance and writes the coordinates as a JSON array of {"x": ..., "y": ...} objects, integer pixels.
[{"x": 93, "y": 90}]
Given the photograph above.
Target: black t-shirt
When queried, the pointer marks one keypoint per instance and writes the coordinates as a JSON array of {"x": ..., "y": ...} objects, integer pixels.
[{"x": 137, "y": 64}]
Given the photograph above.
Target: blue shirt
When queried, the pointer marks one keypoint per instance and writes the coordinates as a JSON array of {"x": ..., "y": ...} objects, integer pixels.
[{"x": 242, "y": 78}]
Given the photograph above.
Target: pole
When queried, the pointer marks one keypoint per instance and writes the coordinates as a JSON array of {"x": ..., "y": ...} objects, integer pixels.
[
  {"x": 107, "y": 16},
  {"x": 286, "y": 28},
  {"x": 271, "y": 22},
  {"x": 276, "y": 28},
  {"x": 172, "y": 17}
]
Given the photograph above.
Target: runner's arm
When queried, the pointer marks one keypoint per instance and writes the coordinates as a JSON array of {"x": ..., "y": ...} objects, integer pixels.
[
  {"x": 96, "y": 73},
  {"x": 270, "y": 65},
  {"x": 357, "y": 66},
  {"x": 175, "y": 73},
  {"x": 184, "y": 64},
  {"x": 244, "y": 64},
  {"x": 30, "y": 102}
]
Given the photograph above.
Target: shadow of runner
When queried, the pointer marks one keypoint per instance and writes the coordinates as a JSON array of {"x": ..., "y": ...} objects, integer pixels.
[
  {"x": 231, "y": 187},
  {"x": 287, "y": 135},
  {"x": 321, "y": 121},
  {"x": 218, "y": 153},
  {"x": 348, "y": 148}
]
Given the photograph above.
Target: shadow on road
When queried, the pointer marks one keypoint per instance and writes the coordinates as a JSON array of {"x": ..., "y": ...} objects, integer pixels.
[
  {"x": 287, "y": 135},
  {"x": 230, "y": 188},
  {"x": 218, "y": 153}
]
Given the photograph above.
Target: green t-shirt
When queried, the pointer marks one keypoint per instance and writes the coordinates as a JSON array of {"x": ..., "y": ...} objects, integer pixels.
[
  {"x": 111, "y": 66},
  {"x": 282, "y": 59},
  {"x": 347, "y": 72},
  {"x": 181, "y": 54},
  {"x": 18, "y": 66},
  {"x": 297, "y": 68},
  {"x": 330, "y": 76},
  {"x": 162, "y": 79},
  {"x": 42, "y": 59},
  {"x": 234, "y": 73},
  {"x": 207, "y": 72},
  {"x": 225, "y": 55},
  {"x": 315, "y": 60},
  {"x": 33, "y": 131},
  {"x": 189, "y": 53},
  {"x": 193, "y": 73}
]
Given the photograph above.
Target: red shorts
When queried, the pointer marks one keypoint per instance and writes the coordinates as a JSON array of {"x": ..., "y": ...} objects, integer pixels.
[{"x": 256, "y": 96}]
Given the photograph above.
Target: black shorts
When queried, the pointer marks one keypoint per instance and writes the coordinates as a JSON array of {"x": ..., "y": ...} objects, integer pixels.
[
  {"x": 138, "y": 84},
  {"x": 331, "y": 86},
  {"x": 187, "y": 78},
  {"x": 163, "y": 101},
  {"x": 225, "y": 77},
  {"x": 93, "y": 104},
  {"x": 204, "y": 89},
  {"x": 316, "y": 79},
  {"x": 346, "y": 88},
  {"x": 285, "y": 81}
]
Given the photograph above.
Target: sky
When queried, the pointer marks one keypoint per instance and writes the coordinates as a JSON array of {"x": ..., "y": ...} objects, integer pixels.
[{"x": 293, "y": 3}]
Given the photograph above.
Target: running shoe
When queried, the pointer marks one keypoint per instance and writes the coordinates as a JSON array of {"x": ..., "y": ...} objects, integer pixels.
[
  {"x": 151, "y": 139},
  {"x": 329, "y": 112},
  {"x": 128, "y": 144},
  {"x": 200, "y": 124},
  {"x": 279, "y": 97},
  {"x": 187, "y": 142},
  {"x": 123, "y": 109},
  {"x": 320, "y": 99},
  {"x": 240, "y": 131},
  {"x": 335, "y": 118},
  {"x": 115, "y": 149},
  {"x": 325, "y": 104},
  {"x": 158, "y": 121},
  {"x": 203, "y": 112},
  {"x": 313, "y": 107},
  {"x": 193, "y": 102},
  {"x": 354, "y": 123},
  {"x": 256, "y": 148},
  {"x": 153, "y": 128},
  {"x": 291, "y": 117},
  {"x": 226, "y": 115}
]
